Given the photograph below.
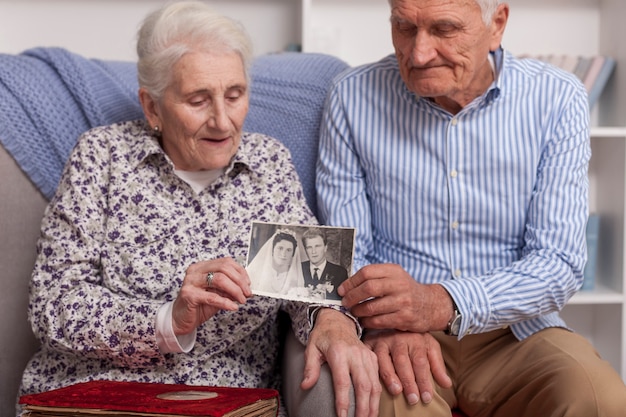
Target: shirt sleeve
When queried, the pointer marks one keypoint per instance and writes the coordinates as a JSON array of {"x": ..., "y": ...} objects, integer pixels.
[
  {"x": 340, "y": 182},
  {"x": 166, "y": 338},
  {"x": 70, "y": 308}
]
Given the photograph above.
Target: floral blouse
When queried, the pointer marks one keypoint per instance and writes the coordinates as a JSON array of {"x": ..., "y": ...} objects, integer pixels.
[{"x": 116, "y": 240}]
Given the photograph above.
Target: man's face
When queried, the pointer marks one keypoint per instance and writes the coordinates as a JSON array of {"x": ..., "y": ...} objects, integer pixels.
[
  {"x": 442, "y": 47},
  {"x": 315, "y": 249}
]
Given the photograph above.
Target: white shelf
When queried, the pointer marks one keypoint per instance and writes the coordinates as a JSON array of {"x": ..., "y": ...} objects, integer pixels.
[
  {"x": 599, "y": 295},
  {"x": 599, "y": 132},
  {"x": 600, "y": 314}
]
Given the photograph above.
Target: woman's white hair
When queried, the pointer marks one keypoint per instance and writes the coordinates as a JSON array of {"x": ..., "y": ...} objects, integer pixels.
[
  {"x": 179, "y": 28},
  {"x": 488, "y": 8}
]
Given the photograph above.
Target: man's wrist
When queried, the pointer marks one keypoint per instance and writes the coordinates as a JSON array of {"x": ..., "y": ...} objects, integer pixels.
[{"x": 454, "y": 323}]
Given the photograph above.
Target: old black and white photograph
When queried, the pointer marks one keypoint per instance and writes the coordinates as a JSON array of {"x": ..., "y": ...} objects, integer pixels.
[{"x": 299, "y": 262}]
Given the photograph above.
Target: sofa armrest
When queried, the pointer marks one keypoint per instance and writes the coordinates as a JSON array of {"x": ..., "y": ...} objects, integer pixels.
[{"x": 21, "y": 210}]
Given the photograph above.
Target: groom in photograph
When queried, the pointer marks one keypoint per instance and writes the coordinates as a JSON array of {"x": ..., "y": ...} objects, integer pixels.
[{"x": 318, "y": 270}]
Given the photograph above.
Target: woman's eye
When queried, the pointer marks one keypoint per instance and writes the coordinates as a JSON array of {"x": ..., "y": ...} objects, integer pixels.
[
  {"x": 197, "y": 101},
  {"x": 233, "y": 96}
]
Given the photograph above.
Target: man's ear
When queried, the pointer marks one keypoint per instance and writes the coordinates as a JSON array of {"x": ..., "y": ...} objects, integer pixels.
[
  {"x": 498, "y": 25},
  {"x": 150, "y": 108}
]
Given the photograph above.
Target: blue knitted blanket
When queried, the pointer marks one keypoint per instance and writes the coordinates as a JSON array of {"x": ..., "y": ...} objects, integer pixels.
[{"x": 49, "y": 96}]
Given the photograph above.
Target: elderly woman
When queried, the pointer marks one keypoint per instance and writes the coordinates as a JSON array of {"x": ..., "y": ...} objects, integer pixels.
[{"x": 140, "y": 272}]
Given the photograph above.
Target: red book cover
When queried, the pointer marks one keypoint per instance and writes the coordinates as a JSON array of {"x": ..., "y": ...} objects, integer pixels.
[{"x": 118, "y": 398}]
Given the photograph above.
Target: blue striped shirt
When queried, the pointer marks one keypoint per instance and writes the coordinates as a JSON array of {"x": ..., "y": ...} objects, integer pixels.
[{"x": 491, "y": 202}]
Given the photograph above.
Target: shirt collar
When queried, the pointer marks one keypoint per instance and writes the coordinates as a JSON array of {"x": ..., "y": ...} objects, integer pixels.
[
  {"x": 147, "y": 148},
  {"x": 320, "y": 268},
  {"x": 496, "y": 61}
]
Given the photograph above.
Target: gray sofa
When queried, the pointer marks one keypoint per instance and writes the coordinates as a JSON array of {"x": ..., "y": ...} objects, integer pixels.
[{"x": 49, "y": 95}]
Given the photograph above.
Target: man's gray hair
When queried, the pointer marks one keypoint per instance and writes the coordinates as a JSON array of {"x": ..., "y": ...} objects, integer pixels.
[
  {"x": 179, "y": 28},
  {"x": 488, "y": 8}
]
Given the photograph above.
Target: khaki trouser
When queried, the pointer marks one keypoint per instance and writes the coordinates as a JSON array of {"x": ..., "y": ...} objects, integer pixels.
[{"x": 552, "y": 373}]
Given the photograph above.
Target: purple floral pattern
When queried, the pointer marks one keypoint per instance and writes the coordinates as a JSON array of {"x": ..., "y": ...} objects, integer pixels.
[{"x": 116, "y": 240}]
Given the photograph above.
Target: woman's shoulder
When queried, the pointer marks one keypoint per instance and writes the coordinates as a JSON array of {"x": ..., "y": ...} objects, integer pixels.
[
  {"x": 120, "y": 130},
  {"x": 260, "y": 139},
  {"x": 259, "y": 147},
  {"x": 116, "y": 138}
]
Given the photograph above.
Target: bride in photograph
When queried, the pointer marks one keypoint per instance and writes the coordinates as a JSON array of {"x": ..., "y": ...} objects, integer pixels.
[{"x": 277, "y": 267}]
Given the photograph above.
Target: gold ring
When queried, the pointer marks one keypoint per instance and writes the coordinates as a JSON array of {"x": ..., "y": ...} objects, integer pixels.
[{"x": 209, "y": 279}]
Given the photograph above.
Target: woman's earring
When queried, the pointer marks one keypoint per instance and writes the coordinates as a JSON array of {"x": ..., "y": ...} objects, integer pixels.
[{"x": 157, "y": 130}]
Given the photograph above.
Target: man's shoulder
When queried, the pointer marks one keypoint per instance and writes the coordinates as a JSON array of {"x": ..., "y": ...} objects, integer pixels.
[
  {"x": 335, "y": 267},
  {"x": 535, "y": 71}
]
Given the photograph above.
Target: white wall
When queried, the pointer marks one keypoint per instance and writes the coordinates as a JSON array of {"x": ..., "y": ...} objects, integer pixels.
[
  {"x": 355, "y": 30},
  {"x": 358, "y": 30},
  {"x": 106, "y": 28}
]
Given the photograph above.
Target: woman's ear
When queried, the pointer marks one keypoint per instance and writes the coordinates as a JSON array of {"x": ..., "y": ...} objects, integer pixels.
[{"x": 150, "y": 108}]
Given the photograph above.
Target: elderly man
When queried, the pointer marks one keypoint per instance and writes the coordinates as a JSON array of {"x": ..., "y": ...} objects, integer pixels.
[{"x": 464, "y": 171}]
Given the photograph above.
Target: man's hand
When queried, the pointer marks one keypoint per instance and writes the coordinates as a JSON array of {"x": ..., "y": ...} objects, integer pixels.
[
  {"x": 408, "y": 363},
  {"x": 334, "y": 340},
  {"x": 385, "y": 296}
]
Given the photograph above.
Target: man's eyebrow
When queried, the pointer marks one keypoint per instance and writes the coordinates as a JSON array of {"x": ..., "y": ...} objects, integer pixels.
[{"x": 397, "y": 19}]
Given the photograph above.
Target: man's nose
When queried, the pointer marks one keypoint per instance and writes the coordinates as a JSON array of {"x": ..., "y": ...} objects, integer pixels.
[{"x": 423, "y": 48}]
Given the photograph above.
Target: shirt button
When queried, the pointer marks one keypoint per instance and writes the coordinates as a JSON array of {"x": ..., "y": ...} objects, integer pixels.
[
  {"x": 457, "y": 273},
  {"x": 455, "y": 225},
  {"x": 454, "y": 121},
  {"x": 454, "y": 173}
]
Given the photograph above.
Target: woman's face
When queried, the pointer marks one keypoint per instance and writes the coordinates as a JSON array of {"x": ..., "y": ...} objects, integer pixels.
[
  {"x": 282, "y": 254},
  {"x": 202, "y": 112}
]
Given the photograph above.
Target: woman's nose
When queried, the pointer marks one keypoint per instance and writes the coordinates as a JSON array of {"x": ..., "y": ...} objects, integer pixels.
[{"x": 218, "y": 117}]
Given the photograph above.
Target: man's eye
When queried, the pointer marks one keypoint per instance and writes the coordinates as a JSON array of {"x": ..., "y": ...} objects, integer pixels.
[
  {"x": 446, "y": 29},
  {"x": 405, "y": 28}
]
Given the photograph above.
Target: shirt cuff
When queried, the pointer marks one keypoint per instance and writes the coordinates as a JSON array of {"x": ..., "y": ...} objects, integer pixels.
[
  {"x": 316, "y": 308},
  {"x": 167, "y": 341},
  {"x": 472, "y": 302}
]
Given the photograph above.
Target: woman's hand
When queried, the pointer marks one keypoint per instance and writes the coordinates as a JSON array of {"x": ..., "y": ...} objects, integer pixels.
[
  {"x": 352, "y": 363},
  {"x": 197, "y": 301}
]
